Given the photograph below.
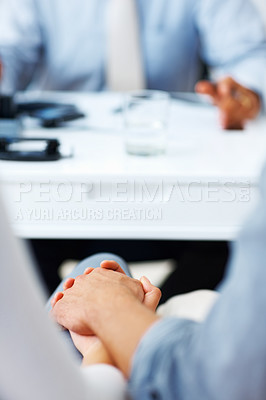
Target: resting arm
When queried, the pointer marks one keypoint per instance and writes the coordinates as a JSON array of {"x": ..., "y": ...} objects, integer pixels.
[
  {"x": 222, "y": 358},
  {"x": 233, "y": 42}
]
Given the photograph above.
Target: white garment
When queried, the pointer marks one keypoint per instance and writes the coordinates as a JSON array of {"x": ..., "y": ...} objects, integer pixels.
[
  {"x": 35, "y": 363},
  {"x": 124, "y": 68}
]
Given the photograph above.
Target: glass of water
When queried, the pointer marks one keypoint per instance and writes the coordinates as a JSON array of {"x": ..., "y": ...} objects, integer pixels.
[{"x": 145, "y": 121}]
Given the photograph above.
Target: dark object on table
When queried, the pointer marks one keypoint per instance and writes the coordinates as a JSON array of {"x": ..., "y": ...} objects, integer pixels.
[
  {"x": 27, "y": 107},
  {"x": 56, "y": 116},
  {"x": 9, "y": 123},
  {"x": 48, "y": 149},
  {"x": 8, "y": 107},
  {"x": 50, "y": 114}
]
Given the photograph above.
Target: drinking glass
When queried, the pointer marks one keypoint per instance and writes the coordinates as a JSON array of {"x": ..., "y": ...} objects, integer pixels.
[{"x": 145, "y": 122}]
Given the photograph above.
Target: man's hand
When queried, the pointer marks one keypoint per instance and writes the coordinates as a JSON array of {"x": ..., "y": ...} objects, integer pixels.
[
  {"x": 90, "y": 346},
  {"x": 111, "y": 305},
  {"x": 236, "y": 103},
  {"x": 75, "y": 308},
  {"x": 148, "y": 294},
  {"x": 152, "y": 294}
]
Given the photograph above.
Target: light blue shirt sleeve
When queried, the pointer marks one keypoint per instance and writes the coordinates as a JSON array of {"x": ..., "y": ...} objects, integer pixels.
[
  {"x": 225, "y": 356},
  {"x": 233, "y": 41},
  {"x": 20, "y": 43}
]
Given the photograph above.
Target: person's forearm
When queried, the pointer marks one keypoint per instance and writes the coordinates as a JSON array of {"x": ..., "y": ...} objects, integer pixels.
[
  {"x": 121, "y": 326},
  {"x": 97, "y": 354},
  {"x": 109, "y": 305}
]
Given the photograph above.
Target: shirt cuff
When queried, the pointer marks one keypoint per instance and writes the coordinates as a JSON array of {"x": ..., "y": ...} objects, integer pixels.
[
  {"x": 249, "y": 73},
  {"x": 156, "y": 364},
  {"x": 105, "y": 382}
]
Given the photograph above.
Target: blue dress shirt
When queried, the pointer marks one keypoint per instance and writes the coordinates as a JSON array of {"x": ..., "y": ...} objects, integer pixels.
[
  {"x": 60, "y": 45},
  {"x": 223, "y": 358}
]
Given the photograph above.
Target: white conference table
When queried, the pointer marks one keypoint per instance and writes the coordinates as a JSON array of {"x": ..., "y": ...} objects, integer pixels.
[{"x": 201, "y": 189}]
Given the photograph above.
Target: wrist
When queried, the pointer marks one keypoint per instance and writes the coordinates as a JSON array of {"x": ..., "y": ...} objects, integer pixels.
[
  {"x": 121, "y": 328},
  {"x": 97, "y": 354}
]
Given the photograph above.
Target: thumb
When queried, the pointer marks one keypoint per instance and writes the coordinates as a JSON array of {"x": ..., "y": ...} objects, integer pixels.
[
  {"x": 113, "y": 265},
  {"x": 152, "y": 294},
  {"x": 226, "y": 87},
  {"x": 206, "y": 87}
]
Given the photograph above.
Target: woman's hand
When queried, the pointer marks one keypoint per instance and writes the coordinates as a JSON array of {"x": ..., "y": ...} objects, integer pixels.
[{"x": 90, "y": 346}]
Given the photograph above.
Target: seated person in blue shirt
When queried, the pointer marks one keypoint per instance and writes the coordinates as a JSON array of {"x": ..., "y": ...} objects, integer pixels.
[
  {"x": 59, "y": 45},
  {"x": 223, "y": 357}
]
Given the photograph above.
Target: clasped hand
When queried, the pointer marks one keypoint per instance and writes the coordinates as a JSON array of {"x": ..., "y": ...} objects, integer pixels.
[{"x": 97, "y": 294}]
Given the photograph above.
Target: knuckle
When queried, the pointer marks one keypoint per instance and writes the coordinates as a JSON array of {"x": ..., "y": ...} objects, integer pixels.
[
  {"x": 98, "y": 271},
  {"x": 138, "y": 284}
]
